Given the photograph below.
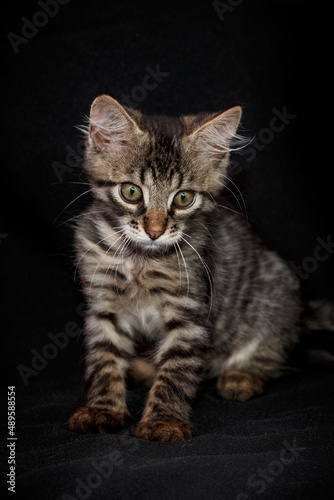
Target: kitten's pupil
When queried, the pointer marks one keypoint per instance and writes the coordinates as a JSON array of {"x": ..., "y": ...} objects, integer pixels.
[{"x": 132, "y": 191}]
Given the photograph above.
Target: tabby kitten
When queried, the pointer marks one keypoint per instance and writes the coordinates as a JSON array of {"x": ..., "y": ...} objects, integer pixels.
[{"x": 161, "y": 260}]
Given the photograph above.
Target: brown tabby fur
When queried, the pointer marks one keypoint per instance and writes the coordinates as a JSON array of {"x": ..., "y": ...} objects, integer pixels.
[{"x": 193, "y": 281}]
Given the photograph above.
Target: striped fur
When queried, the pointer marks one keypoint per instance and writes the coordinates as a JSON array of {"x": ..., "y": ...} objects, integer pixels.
[{"x": 195, "y": 283}]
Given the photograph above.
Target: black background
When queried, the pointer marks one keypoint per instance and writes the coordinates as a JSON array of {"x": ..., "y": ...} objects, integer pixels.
[{"x": 263, "y": 55}]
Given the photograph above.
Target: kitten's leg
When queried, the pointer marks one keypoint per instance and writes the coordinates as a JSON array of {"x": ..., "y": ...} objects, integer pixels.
[
  {"x": 247, "y": 369},
  {"x": 180, "y": 363},
  {"x": 239, "y": 385},
  {"x": 108, "y": 352}
]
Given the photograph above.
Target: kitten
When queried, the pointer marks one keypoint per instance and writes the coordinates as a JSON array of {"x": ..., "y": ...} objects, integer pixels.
[{"x": 160, "y": 259}]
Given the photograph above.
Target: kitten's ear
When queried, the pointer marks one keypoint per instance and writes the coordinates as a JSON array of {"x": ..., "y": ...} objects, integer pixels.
[
  {"x": 217, "y": 136},
  {"x": 111, "y": 129}
]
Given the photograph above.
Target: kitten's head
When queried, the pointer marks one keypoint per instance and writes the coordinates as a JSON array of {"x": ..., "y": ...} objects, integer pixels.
[{"x": 155, "y": 174}]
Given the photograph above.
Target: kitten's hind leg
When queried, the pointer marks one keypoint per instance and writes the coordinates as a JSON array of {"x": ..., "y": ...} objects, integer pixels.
[
  {"x": 239, "y": 385},
  {"x": 243, "y": 374}
]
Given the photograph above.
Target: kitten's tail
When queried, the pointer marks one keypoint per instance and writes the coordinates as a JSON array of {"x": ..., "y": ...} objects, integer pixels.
[
  {"x": 317, "y": 343},
  {"x": 319, "y": 315}
]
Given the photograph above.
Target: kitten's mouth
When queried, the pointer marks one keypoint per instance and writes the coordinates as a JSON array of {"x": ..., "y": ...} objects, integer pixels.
[
  {"x": 150, "y": 245},
  {"x": 155, "y": 244},
  {"x": 150, "y": 248}
]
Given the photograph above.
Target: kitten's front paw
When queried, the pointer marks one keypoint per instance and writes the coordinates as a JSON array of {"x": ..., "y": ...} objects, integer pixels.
[
  {"x": 86, "y": 420},
  {"x": 239, "y": 385},
  {"x": 163, "y": 431}
]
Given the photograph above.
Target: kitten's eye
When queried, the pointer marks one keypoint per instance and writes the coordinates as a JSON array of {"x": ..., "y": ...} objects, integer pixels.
[
  {"x": 131, "y": 193},
  {"x": 184, "y": 199}
]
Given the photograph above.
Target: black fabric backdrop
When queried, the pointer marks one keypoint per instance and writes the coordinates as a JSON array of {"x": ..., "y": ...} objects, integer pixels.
[{"x": 264, "y": 55}]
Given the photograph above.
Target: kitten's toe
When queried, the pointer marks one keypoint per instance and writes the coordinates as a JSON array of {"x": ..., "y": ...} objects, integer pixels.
[
  {"x": 86, "y": 420},
  {"x": 163, "y": 431},
  {"x": 239, "y": 385}
]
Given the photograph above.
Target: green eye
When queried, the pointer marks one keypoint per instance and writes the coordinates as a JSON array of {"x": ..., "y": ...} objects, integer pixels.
[
  {"x": 131, "y": 193},
  {"x": 184, "y": 199}
]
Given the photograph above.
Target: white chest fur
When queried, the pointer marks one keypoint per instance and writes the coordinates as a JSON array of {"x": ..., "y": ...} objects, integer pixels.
[{"x": 139, "y": 312}]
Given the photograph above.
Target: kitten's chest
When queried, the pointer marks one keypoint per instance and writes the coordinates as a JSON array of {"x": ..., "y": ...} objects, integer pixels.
[
  {"x": 144, "y": 279},
  {"x": 138, "y": 305},
  {"x": 149, "y": 291}
]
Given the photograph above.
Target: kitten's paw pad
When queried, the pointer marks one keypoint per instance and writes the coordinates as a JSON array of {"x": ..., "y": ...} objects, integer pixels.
[
  {"x": 86, "y": 420},
  {"x": 163, "y": 431},
  {"x": 239, "y": 386}
]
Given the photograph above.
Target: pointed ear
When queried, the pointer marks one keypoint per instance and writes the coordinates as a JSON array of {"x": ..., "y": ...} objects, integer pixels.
[
  {"x": 111, "y": 129},
  {"x": 215, "y": 138}
]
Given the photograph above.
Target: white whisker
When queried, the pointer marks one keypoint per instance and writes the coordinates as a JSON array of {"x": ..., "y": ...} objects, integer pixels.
[
  {"x": 230, "y": 209},
  {"x": 121, "y": 249},
  {"x": 185, "y": 268},
  {"x": 98, "y": 265},
  {"x": 122, "y": 253},
  {"x": 77, "y": 217},
  {"x": 208, "y": 272},
  {"x": 179, "y": 265},
  {"x": 81, "y": 183},
  {"x": 92, "y": 246},
  {"x": 82, "y": 194},
  {"x": 240, "y": 194},
  {"x": 214, "y": 201}
]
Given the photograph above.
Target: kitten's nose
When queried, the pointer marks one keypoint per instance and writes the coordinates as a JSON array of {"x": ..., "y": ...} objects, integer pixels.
[
  {"x": 153, "y": 234},
  {"x": 155, "y": 223}
]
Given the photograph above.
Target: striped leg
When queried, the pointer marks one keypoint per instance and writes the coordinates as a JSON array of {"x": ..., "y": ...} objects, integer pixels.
[
  {"x": 180, "y": 368},
  {"x": 108, "y": 352}
]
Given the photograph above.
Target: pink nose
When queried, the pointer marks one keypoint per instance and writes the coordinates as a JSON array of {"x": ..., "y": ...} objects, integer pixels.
[{"x": 153, "y": 234}]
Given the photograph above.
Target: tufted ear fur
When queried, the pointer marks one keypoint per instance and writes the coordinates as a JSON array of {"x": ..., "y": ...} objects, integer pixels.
[
  {"x": 209, "y": 142},
  {"x": 111, "y": 129},
  {"x": 217, "y": 136}
]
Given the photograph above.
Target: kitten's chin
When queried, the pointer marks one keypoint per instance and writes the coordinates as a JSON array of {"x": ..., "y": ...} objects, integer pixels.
[
  {"x": 153, "y": 247},
  {"x": 150, "y": 247}
]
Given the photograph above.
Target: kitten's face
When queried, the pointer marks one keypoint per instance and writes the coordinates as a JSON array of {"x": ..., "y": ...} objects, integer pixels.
[
  {"x": 154, "y": 214},
  {"x": 156, "y": 175}
]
